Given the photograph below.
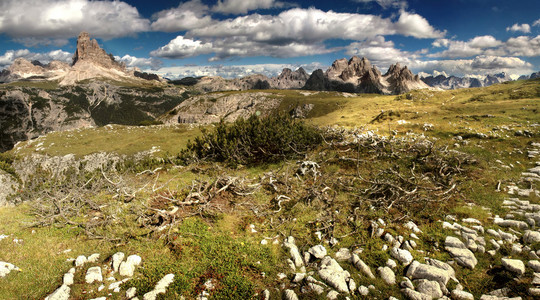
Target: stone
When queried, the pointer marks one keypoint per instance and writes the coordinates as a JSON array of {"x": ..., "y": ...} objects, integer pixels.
[
  {"x": 534, "y": 264},
  {"x": 531, "y": 237},
  {"x": 293, "y": 251},
  {"x": 391, "y": 263},
  {"x": 6, "y": 268},
  {"x": 290, "y": 295},
  {"x": 464, "y": 257},
  {"x": 316, "y": 288},
  {"x": 68, "y": 279},
  {"x": 362, "y": 290},
  {"x": 362, "y": 266},
  {"x": 331, "y": 272},
  {"x": 387, "y": 275},
  {"x": 494, "y": 233},
  {"x": 266, "y": 295},
  {"x": 332, "y": 295},
  {"x": 406, "y": 283},
  {"x": 160, "y": 287},
  {"x": 343, "y": 254},
  {"x": 134, "y": 260},
  {"x": 93, "y": 274},
  {"x": 442, "y": 265},
  {"x": 62, "y": 293},
  {"x": 454, "y": 242},
  {"x": 461, "y": 295},
  {"x": 80, "y": 260},
  {"x": 117, "y": 258},
  {"x": 131, "y": 292},
  {"x": 414, "y": 295},
  {"x": 534, "y": 292},
  {"x": 404, "y": 256},
  {"x": 352, "y": 285},
  {"x": 510, "y": 223},
  {"x": 536, "y": 279},
  {"x": 422, "y": 271},
  {"x": 513, "y": 265},
  {"x": 430, "y": 288},
  {"x": 318, "y": 251},
  {"x": 126, "y": 269},
  {"x": 93, "y": 258},
  {"x": 298, "y": 277}
]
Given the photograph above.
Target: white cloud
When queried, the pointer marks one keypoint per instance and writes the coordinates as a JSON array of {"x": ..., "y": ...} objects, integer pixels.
[
  {"x": 141, "y": 63},
  {"x": 480, "y": 65},
  {"x": 244, "y": 6},
  {"x": 233, "y": 71},
  {"x": 488, "y": 45},
  {"x": 61, "y": 19},
  {"x": 410, "y": 24},
  {"x": 188, "y": 15},
  {"x": 9, "y": 56},
  {"x": 525, "y": 28},
  {"x": 536, "y": 23},
  {"x": 380, "y": 52},
  {"x": 181, "y": 47},
  {"x": 387, "y": 3}
]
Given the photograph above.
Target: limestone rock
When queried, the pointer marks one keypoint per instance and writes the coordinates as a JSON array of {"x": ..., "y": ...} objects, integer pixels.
[
  {"x": 362, "y": 266},
  {"x": 463, "y": 257},
  {"x": 331, "y": 272},
  {"x": 62, "y": 293},
  {"x": 513, "y": 265},
  {"x": 318, "y": 251},
  {"x": 290, "y": 295},
  {"x": 387, "y": 275},
  {"x": 430, "y": 288},
  {"x": 117, "y": 259},
  {"x": 93, "y": 274},
  {"x": 404, "y": 256},
  {"x": 531, "y": 237},
  {"x": 461, "y": 295},
  {"x": 293, "y": 251},
  {"x": 422, "y": 271}
]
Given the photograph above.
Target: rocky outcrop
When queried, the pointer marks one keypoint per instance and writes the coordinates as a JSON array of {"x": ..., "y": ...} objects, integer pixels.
[
  {"x": 26, "y": 113},
  {"x": 357, "y": 75},
  {"x": 289, "y": 79},
  {"x": 89, "y": 50},
  {"x": 211, "y": 108},
  {"x": 23, "y": 69}
]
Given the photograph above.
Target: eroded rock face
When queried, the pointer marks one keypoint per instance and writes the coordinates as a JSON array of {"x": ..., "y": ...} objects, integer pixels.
[{"x": 89, "y": 50}]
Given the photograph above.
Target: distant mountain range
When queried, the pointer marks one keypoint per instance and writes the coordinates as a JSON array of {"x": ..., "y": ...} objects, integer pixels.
[{"x": 453, "y": 82}]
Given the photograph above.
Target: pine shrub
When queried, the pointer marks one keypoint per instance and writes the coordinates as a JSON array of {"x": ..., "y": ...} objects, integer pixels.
[{"x": 254, "y": 140}]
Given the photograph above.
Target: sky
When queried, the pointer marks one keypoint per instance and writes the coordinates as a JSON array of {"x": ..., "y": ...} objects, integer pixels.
[{"x": 233, "y": 38}]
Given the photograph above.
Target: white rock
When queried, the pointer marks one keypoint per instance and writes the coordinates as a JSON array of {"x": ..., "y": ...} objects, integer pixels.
[
  {"x": 318, "y": 251},
  {"x": 534, "y": 264},
  {"x": 461, "y": 295},
  {"x": 414, "y": 295},
  {"x": 332, "y": 295},
  {"x": 422, "y": 271},
  {"x": 531, "y": 237},
  {"x": 454, "y": 242},
  {"x": 68, "y": 279},
  {"x": 117, "y": 258},
  {"x": 391, "y": 263},
  {"x": 62, "y": 293},
  {"x": 430, "y": 288},
  {"x": 362, "y": 266},
  {"x": 131, "y": 292},
  {"x": 316, "y": 288},
  {"x": 266, "y": 295},
  {"x": 80, "y": 260},
  {"x": 93, "y": 274},
  {"x": 164, "y": 282},
  {"x": 463, "y": 257},
  {"x": 404, "y": 256},
  {"x": 134, "y": 260},
  {"x": 293, "y": 251},
  {"x": 93, "y": 258},
  {"x": 290, "y": 295},
  {"x": 126, "y": 269},
  {"x": 331, "y": 272},
  {"x": 513, "y": 265},
  {"x": 362, "y": 290},
  {"x": 343, "y": 254},
  {"x": 387, "y": 275}
]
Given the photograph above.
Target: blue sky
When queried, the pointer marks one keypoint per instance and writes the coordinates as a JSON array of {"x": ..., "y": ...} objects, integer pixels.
[{"x": 234, "y": 38}]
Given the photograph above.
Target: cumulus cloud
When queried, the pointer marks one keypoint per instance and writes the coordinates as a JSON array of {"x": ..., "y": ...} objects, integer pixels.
[
  {"x": 233, "y": 71},
  {"x": 488, "y": 45},
  {"x": 380, "y": 52},
  {"x": 294, "y": 32},
  {"x": 61, "y": 19},
  {"x": 386, "y": 3},
  {"x": 9, "y": 56},
  {"x": 480, "y": 65},
  {"x": 141, "y": 63},
  {"x": 525, "y": 28},
  {"x": 244, "y": 6},
  {"x": 415, "y": 25},
  {"x": 536, "y": 23},
  {"x": 188, "y": 15}
]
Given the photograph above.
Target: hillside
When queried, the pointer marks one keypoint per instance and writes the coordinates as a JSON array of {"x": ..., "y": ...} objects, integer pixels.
[{"x": 423, "y": 194}]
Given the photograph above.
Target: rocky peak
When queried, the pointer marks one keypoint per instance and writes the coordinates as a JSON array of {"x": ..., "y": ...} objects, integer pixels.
[{"x": 90, "y": 51}]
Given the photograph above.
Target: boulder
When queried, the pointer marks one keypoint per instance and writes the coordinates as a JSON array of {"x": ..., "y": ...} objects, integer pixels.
[
  {"x": 93, "y": 274},
  {"x": 464, "y": 257},
  {"x": 318, "y": 251},
  {"x": 387, "y": 275},
  {"x": 331, "y": 272},
  {"x": 513, "y": 265},
  {"x": 422, "y": 271},
  {"x": 404, "y": 256}
]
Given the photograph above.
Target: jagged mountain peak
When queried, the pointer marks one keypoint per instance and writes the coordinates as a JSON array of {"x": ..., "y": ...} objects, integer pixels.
[{"x": 89, "y": 50}]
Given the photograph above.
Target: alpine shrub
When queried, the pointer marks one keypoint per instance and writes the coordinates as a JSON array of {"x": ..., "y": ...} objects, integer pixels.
[{"x": 254, "y": 140}]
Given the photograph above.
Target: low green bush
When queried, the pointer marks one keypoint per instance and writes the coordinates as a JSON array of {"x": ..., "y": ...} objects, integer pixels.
[
  {"x": 6, "y": 161},
  {"x": 254, "y": 140}
]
